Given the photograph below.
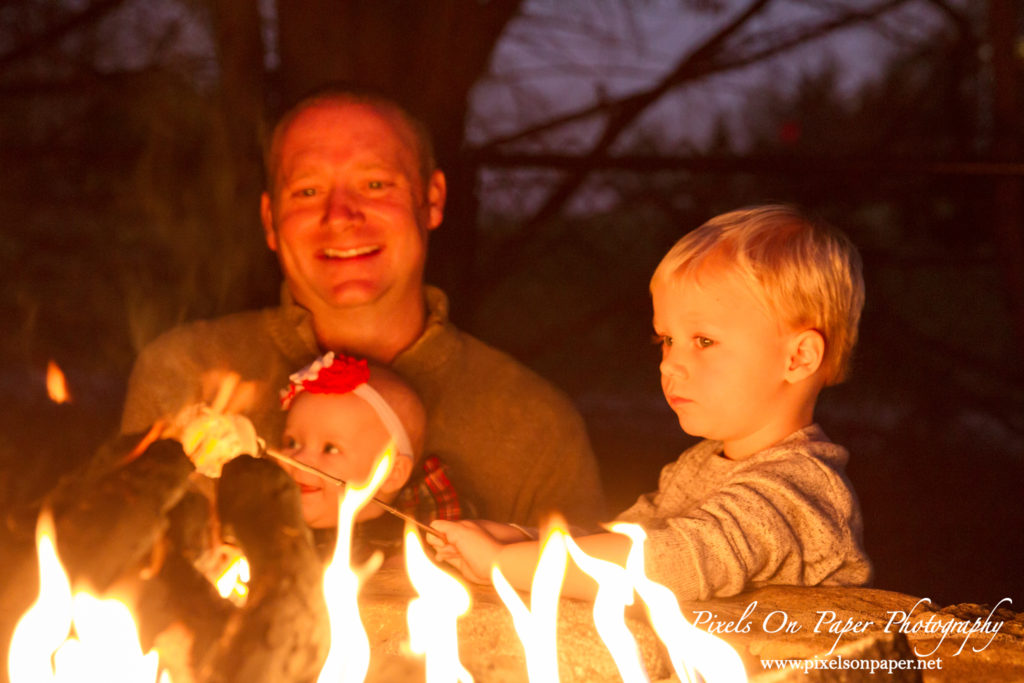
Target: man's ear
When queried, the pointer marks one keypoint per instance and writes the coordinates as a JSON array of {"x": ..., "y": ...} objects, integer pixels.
[
  {"x": 267, "y": 218},
  {"x": 437, "y": 193},
  {"x": 806, "y": 353},
  {"x": 400, "y": 471}
]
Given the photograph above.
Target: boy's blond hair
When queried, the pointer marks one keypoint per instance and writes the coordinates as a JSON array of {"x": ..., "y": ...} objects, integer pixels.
[{"x": 807, "y": 274}]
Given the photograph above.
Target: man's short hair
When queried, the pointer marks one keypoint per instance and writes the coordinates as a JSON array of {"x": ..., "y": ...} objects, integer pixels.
[
  {"x": 342, "y": 93},
  {"x": 807, "y": 273}
]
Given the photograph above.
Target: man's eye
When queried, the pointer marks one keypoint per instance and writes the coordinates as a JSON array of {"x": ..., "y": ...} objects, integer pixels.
[
  {"x": 703, "y": 342},
  {"x": 331, "y": 449},
  {"x": 376, "y": 184},
  {"x": 306, "y": 192}
]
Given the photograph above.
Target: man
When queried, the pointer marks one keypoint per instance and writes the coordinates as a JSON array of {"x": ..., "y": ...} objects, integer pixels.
[{"x": 351, "y": 199}]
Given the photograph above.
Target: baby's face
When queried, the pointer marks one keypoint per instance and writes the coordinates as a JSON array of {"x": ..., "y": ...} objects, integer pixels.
[
  {"x": 723, "y": 356},
  {"x": 339, "y": 434}
]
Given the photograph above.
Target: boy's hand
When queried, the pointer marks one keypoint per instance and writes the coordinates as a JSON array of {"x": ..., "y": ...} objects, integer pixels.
[{"x": 473, "y": 545}]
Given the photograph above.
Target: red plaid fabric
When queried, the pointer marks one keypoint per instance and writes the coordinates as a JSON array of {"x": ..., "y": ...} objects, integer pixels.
[{"x": 429, "y": 494}]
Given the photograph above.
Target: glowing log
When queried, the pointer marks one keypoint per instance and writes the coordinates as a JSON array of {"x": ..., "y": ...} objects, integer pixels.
[
  {"x": 108, "y": 523},
  {"x": 281, "y": 633}
]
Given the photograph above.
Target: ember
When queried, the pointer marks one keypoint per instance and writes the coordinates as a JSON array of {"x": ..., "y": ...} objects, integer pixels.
[{"x": 56, "y": 385}]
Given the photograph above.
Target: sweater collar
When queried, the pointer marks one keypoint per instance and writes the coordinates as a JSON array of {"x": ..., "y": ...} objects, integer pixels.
[{"x": 295, "y": 335}]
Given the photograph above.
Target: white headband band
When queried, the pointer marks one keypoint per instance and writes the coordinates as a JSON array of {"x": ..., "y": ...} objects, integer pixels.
[
  {"x": 387, "y": 416},
  {"x": 349, "y": 371}
]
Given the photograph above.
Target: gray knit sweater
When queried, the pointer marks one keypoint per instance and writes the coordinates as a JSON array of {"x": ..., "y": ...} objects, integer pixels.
[{"x": 785, "y": 515}]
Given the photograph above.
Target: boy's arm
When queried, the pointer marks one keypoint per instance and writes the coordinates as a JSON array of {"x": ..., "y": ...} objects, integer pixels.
[{"x": 474, "y": 549}]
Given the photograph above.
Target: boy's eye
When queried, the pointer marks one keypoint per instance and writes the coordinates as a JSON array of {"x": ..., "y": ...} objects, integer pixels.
[
  {"x": 661, "y": 340},
  {"x": 331, "y": 449},
  {"x": 289, "y": 443},
  {"x": 703, "y": 342}
]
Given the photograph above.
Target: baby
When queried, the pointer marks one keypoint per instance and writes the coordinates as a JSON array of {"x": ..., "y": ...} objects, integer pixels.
[
  {"x": 341, "y": 416},
  {"x": 756, "y": 312}
]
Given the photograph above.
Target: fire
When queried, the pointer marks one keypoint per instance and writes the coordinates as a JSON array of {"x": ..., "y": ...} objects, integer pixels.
[
  {"x": 349, "y": 656},
  {"x": 689, "y": 648},
  {"x": 233, "y": 582},
  {"x": 432, "y": 615},
  {"x": 80, "y": 637},
  {"x": 538, "y": 626},
  {"x": 614, "y": 593},
  {"x": 56, "y": 385}
]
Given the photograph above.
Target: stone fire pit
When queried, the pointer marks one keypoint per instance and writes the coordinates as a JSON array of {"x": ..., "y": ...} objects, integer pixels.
[
  {"x": 138, "y": 521},
  {"x": 491, "y": 650}
]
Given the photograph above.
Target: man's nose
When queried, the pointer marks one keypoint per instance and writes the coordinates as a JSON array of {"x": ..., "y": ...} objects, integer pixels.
[{"x": 342, "y": 207}]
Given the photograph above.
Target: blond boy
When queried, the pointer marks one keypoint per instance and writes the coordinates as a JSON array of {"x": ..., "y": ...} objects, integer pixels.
[{"x": 756, "y": 311}]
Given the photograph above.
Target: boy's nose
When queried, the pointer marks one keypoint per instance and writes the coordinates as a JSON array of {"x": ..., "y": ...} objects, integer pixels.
[{"x": 672, "y": 365}]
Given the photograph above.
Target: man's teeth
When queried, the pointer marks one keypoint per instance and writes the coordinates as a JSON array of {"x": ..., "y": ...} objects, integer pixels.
[{"x": 349, "y": 253}]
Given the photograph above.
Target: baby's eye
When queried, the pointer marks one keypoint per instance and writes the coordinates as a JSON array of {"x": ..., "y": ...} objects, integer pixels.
[
  {"x": 703, "y": 342},
  {"x": 331, "y": 449},
  {"x": 289, "y": 443}
]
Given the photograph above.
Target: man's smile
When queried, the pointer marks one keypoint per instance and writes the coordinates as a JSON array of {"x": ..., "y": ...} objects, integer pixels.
[{"x": 331, "y": 253}]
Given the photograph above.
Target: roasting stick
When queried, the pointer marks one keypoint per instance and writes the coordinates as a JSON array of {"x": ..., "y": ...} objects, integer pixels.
[{"x": 277, "y": 455}]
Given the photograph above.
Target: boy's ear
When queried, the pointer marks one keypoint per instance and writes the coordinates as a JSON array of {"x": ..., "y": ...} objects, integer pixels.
[
  {"x": 806, "y": 353},
  {"x": 399, "y": 474}
]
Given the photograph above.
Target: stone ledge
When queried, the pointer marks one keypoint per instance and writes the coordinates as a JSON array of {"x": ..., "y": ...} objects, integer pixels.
[{"x": 491, "y": 650}]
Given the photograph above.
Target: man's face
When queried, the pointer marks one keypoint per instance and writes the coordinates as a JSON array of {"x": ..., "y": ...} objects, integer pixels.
[
  {"x": 348, "y": 213},
  {"x": 724, "y": 357},
  {"x": 339, "y": 434}
]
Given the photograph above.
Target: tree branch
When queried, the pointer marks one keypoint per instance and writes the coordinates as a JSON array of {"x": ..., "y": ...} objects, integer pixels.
[
  {"x": 623, "y": 112},
  {"x": 41, "y": 41}
]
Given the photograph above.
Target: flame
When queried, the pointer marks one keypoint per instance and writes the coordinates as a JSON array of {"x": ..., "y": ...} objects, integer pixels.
[
  {"x": 349, "y": 656},
  {"x": 56, "y": 384},
  {"x": 538, "y": 626},
  {"x": 233, "y": 582},
  {"x": 689, "y": 647},
  {"x": 614, "y": 593},
  {"x": 432, "y": 615},
  {"x": 105, "y": 645}
]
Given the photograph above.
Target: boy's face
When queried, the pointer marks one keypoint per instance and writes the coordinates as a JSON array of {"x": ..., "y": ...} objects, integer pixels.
[
  {"x": 339, "y": 434},
  {"x": 723, "y": 358}
]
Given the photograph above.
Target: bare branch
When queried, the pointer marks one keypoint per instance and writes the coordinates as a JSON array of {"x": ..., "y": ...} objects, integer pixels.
[
  {"x": 41, "y": 41},
  {"x": 706, "y": 60},
  {"x": 621, "y": 113}
]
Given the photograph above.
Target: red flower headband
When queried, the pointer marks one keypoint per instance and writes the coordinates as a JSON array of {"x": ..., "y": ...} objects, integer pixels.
[
  {"x": 341, "y": 375},
  {"x": 327, "y": 375}
]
